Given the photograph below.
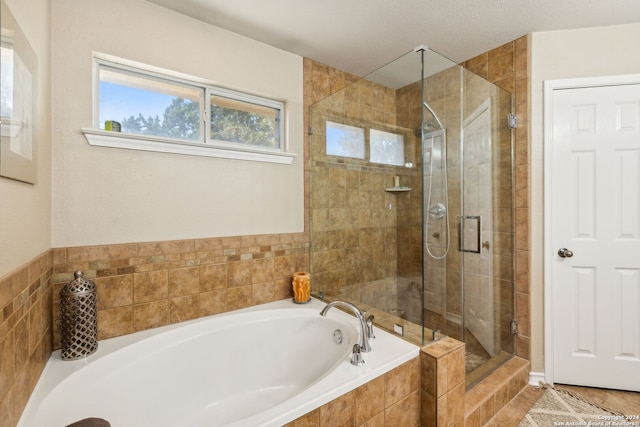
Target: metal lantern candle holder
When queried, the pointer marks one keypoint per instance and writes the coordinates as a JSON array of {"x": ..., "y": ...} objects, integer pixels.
[{"x": 78, "y": 318}]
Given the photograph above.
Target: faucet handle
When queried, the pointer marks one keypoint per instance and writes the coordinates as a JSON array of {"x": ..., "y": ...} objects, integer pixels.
[
  {"x": 370, "y": 334},
  {"x": 356, "y": 357}
]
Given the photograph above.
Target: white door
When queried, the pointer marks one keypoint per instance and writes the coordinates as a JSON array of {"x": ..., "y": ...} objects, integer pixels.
[{"x": 595, "y": 215}]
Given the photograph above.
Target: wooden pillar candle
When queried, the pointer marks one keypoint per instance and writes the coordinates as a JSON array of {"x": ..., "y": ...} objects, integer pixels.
[{"x": 301, "y": 287}]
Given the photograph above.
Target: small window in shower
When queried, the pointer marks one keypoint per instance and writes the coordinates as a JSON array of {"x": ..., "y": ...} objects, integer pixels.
[
  {"x": 386, "y": 148},
  {"x": 344, "y": 140}
]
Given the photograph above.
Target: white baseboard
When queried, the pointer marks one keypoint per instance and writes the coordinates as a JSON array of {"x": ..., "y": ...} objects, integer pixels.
[{"x": 535, "y": 378}]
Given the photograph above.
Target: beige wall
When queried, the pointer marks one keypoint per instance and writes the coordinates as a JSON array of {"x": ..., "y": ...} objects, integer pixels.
[
  {"x": 25, "y": 210},
  {"x": 562, "y": 55},
  {"x": 107, "y": 195}
]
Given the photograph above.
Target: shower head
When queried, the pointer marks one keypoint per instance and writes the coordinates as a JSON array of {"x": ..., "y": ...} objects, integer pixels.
[
  {"x": 431, "y": 124},
  {"x": 433, "y": 113}
]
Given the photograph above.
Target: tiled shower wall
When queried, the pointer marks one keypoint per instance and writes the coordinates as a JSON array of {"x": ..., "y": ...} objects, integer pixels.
[{"x": 353, "y": 220}]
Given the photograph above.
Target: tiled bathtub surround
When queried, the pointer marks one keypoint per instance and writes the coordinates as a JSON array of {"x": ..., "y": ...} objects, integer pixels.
[
  {"x": 392, "y": 399},
  {"x": 444, "y": 401},
  {"x": 25, "y": 334},
  {"x": 145, "y": 285},
  {"x": 442, "y": 370}
]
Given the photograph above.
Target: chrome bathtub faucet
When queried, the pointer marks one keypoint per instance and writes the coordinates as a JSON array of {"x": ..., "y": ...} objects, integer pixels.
[{"x": 365, "y": 347}]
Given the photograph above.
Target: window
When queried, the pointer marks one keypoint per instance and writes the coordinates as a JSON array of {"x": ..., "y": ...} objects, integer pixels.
[
  {"x": 244, "y": 120},
  {"x": 138, "y": 108},
  {"x": 386, "y": 148},
  {"x": 349, "y": 141},
  {"x": 344, "y": 140},
  {"x": 149, "y": 105}
]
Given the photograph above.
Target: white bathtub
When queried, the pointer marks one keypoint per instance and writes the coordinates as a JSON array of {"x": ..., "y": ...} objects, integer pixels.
[{"x": 261, "y": 366}]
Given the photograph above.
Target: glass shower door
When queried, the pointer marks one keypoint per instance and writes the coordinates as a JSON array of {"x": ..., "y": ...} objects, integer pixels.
[{"x": 486, "y": 229}]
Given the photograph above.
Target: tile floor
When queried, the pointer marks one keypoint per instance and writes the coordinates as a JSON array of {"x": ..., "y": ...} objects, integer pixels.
[{"x": 624, "y": 402}]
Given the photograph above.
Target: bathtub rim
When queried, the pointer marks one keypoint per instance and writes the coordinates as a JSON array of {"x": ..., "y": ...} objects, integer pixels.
[{"x": 57, "y": 370}]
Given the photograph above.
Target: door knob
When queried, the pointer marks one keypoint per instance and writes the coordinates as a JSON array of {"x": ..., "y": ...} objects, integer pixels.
[{"x": 565, "y": 253}]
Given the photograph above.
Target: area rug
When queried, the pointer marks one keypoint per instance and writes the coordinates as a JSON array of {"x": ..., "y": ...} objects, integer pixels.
[{"x": 562, "y": 408}]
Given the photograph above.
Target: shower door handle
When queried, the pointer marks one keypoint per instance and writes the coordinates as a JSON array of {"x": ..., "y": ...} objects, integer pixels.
[
  {"x": 564, "y": 253},
  {"x": 472, "y": 226}
]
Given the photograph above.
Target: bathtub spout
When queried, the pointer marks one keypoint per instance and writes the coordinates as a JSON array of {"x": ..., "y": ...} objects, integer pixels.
[{"x": 365, "y": 347}]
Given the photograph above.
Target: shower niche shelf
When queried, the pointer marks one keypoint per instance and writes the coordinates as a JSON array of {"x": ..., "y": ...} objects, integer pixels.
[{"x": 398, "y": 189}]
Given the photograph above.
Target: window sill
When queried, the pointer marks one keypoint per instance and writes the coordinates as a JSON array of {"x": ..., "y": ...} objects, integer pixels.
[{"x": 165, "y": 145}]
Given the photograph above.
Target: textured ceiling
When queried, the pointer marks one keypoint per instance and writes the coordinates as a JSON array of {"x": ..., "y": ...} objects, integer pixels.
[{"x": 360, "y": 36}]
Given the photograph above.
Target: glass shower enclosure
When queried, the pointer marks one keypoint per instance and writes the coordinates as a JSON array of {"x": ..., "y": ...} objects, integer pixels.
[{"x": 411, "y": 204}]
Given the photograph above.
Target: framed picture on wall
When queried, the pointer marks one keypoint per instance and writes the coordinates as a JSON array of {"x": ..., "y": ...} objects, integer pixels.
[{"x": 18, "y": 83}]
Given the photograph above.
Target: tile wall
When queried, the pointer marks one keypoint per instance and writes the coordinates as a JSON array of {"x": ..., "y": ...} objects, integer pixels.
[
  {"x": 25, "y": 334},
  {"x": 353, "y": 221},
  {"x": 443, "y": 383},
  {"x": 392, "y": 400},
  {"x": 146, "y": 285}
]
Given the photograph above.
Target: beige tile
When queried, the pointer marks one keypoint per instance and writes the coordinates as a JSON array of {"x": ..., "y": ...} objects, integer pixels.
[
  {"x": 505, "y": 49},
  {"x": 441, "y": 410},
  {"x": 311, "y": 419},
  {"x": 59, "y": 256},
  {"x": 114, "y": 322},
  {"x": 213, "y": 276},
  {"x": 239, "y": 273},
  {"x": 150, "y": 315},
  {"x": 522, "y": 313},
  {"x": 184, "y": 281},
  {"x": 207, "y": 244},
  {"x": 6, "y": 408},
  {"x": 376, "y": 421},
  {"x": 405, "y": 412},
  {"x": 150, "y": 286},
  {"x": 239, "y": 297},
  {"x": 339, "y": 412},
  {"x": 165, "y": 247},
  {"x": 522, "y": 271},
  {"x": 479, "y": 65},
  {"x": 262, "y": 293},
  {"x": 102, "y": 252},
  {"x": 455, "y": 368},
  {"x": 213, "y": 302},
  {"x": 512, "y": 414},
  {"x": 473, "y": 419},
  {"x": 523, "y": 346},
  {"x": 282, "y": 289},
  {"x": 284, "y": 266},
  {"x": 428, "y": 409},
  {"x": 401, "y": 381},
  {"x": 428, "y": 373},
  {"x": 7, "y": 363},
  {"x": 184, "y": 308},
  {"x": 442, "y": 372},
  {"x": 262, "y": 270},
  {"x": 369, "y": 400},
  {"x": 114, "y": 291},
  {"x": 455, "y": 403}
]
